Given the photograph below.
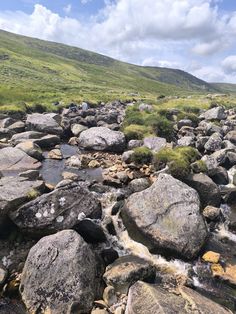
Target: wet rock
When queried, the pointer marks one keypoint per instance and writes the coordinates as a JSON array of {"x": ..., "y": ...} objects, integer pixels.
[
  {"x": 154, "y": 143},
  {"x": 227, "y": 274},
  {"x": 30, "y": 174},
  {"x": 116, "y": 207},
  {"x": 46, "y": 123},
  {"x": 146, "y": 298},
  {"x": 217, "y": 113},
  {"x": 138, "y": 185},
  {"x": 126, "y": 270},
  {"x": 57, "y": 210},
  {"x": 31, "y": 149},
  {"x": 76, "y": 129},
  {"x": 166, "y": 218},
  {"x": 102, "y": 139},
  {"x": 14, "y": 159},
  {"x": 90, "y": 231},
  {"x": 109, "y": 256},
  {"x": 60, "y": 275},
  {"x": 208, "y": 191}
]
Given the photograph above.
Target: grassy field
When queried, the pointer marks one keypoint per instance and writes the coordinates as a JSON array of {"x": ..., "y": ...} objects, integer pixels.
[{"x": 34, "y": 71}]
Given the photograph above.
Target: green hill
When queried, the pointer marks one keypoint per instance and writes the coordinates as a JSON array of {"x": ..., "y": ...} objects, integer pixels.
[
  {"x": 37, "y": 71},
  {"x": 225, "y": 87}
]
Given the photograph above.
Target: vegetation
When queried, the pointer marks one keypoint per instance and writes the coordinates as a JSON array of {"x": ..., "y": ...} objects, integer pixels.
[
  {"x": 35, "y": 71},
  {"x": 142, "y": 155},
  {"x": 136, "y": 132},
  {"x": 178, "y": 160}
]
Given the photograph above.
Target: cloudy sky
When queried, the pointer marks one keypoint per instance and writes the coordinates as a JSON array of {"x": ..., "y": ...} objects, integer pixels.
[{"x": 198, "y": 36}]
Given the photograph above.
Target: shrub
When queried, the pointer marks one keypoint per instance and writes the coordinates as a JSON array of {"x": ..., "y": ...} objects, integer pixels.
[
  {"x": 178, "y": 159},
  {"x": 135, "y": 132},
  {"x": 142, "y": 155},
  {"x": 134, "y": 118},
  {"x": 188, "y": 115},
  {"x": 161, "y": 126}
]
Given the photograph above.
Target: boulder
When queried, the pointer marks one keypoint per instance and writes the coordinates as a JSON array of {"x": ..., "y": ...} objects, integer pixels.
[
  {"x": 76, "y": 129},
  {"x": 208, "y": 191},
  {"x": 25, "y": 136},
  {"x": 102, "y": 139},
  {"x": 126, "y": 270},
  {"x": 46, "y": 123},
  {"x": 186, "y": 141},
  {"x": 14, "y": 159},
  {"x": 15, "y": 191},
  {"x": 219, "y": 175},
  {"x": 57, "y": 210},
  {"x": 154, "y": 143},
  {"x": 31, "y": 149},
  {"x": 146, "y": 298},
  {"x": 166, "y": 218},
  {"x": 61, "y": 275},
  {"x": 214, "y": 143},
  {"x": 17, "y": 127},
  {"x": 217, "y": 113},
  {"x": 138, "y": 185},
  {"x": 231, "y": 136}
]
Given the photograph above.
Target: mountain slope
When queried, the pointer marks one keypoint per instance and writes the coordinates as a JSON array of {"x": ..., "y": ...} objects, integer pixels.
[
  {"x": 225, "y": 87},
  {"x": 33, "y": 70}
]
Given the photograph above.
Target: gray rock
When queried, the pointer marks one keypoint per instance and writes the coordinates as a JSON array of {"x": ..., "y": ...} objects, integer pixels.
[
  {"x": 214, "y": 143},
  {"x": 201, "y": 141},
  {"x": 57, "y": 210},
  {"x": 31, "y": 149},
  {"x": 138, "y": 185},
  {"x": 61, "y": 275},
  {"x": 231, "y": 136},
  {"x": 186, "y": 141},
  {"x": 208, "y": 191},
  {"x": 45, "y": 123},
  {"x": 154, "y": 143},
  {"x": 5, "y": 134},
  {"x": 166, "y": 218},
  {"x": 13, "y": 159},
  {"x": 145, "y": 298},
  {"x": 102, "y": 139},
  {"x": 47, "y": 141},
  {"x": 126, "y": 270},
  {"x": 217, "y": 113},
  {"x": 76, "y": 129},
  {"x": 30, "y": 174},
  {"x": 184, "y": 122},
  {"x": 8, "y": 306},
  {"x": 24, "y": 136},
  {"x": 212, "y": 213},
  {"x": 127, "y": 156},
  {"x": 17, "y": 127},
  {"x": 15, "y": 191},
  {"x": 219, "y": 175},
  {"x": 134, "y": 144}
]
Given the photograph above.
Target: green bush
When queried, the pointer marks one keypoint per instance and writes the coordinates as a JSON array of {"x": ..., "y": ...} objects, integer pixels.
[
  {"x": 134, "y": 118},
  {"x": 135, "y": 132},
  {"x": 161, "y": 127},
  {"x": 142, "y": 155},
  {"x": 178, "y": 159},
  {"x": 188, "y": 115}
]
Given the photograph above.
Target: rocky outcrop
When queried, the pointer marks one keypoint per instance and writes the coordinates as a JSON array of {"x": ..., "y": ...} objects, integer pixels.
[
  {"x": 102, "y": 139},
  {"x": 145, "y": 298},
  {"x": 60, "y": 275},
  {"x": 166, "y": 218},
  {"x": 58, "y": 210}
]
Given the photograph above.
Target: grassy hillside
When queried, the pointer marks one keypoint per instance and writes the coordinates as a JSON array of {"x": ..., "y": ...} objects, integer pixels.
[
  {"x": 225, "y": 87},
  {"x": 36, "y": 71}
]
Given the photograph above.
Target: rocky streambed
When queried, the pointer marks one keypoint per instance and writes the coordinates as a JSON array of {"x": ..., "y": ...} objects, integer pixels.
[{"x": 85, "y": 228}]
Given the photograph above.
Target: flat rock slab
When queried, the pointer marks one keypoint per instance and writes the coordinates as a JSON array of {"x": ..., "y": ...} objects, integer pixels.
[
  {"x": 166, "y": 218},
  {"x": 14, "y": 159},
  {"x": 145, "y": 298},
  {"x": 61, "y": 209}
]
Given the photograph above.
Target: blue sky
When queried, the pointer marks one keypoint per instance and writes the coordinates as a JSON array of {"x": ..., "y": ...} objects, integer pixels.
[{"x": 198, "y": 36}]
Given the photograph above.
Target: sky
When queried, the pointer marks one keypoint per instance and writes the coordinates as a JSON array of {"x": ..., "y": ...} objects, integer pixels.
[{"x": 197, "y": 36}]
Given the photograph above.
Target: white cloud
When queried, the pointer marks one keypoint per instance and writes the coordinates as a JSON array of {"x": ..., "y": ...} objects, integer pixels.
[
  {"x": 174, "y": 31},
  {"x": 67, "y": 9},
  {"x": 229, "y": 65}
]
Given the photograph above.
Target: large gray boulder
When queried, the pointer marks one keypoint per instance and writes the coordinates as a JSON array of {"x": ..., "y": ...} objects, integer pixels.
[
  {"x": 57, "y": 210},
  {"x": 13, "y": 159},
  {"x": 217, "y": 113},
  {"x": 146, "y": 298},
  {"x": 102, "y": 139},
  {"x": 60, "y": 276},
  {"x": 46, "y": 123},
  {"x": 15, "y": 191},
  {"x": 166, "y": 218},
  {"x": 231, "y": 136}
]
